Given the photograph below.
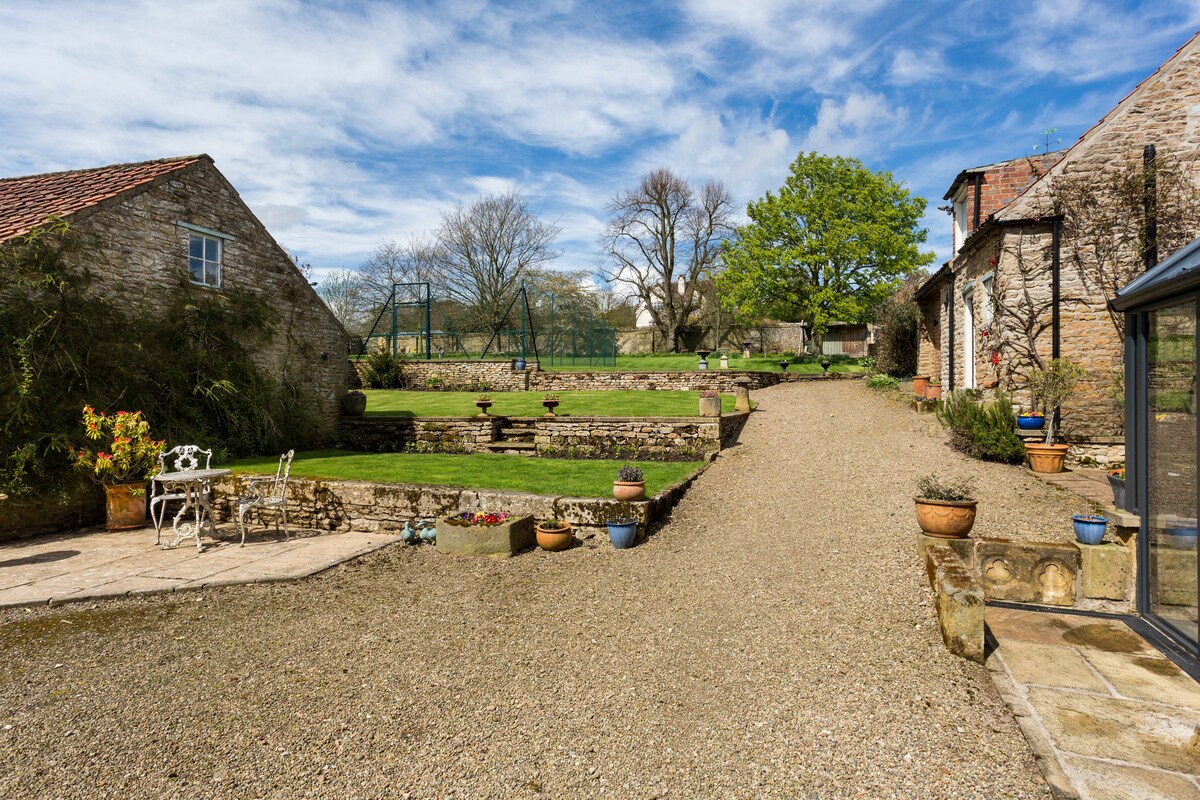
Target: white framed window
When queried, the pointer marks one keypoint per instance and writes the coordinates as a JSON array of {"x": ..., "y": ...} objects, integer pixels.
[
  {"x": 960, "y": 218},
  {"x": 206, "y": 254},
  {"x": 204, "y": 259},
  {"x": 987, "y": 302}
]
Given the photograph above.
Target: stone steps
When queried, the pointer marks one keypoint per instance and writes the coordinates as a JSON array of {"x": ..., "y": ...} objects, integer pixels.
[{"x": 512, "y": 448}]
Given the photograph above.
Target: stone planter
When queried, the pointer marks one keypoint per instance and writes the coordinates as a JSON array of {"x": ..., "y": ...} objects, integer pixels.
[
  {"x": 1046, "y": 458},
  {"x": 354, "y": 404},
  {"x": 944, "y": 519},
  {"x": 125, "y": 504},
  {"x": 550, "y": 405},
  {"x": 498, "y": 541},
  {"x": 710, "y": 406},
  {"x": 483, "y": 406},
  {"x": 555, "y": 538},
  {"x": 628, "y": 491}
]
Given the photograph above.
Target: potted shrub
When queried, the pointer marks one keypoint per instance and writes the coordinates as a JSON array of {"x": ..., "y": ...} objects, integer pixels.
[
  {"x": 554, "y": 534},
  {"x": 920, "y": 385},
  {"x": 934, "y": 390},
  {"x": 354, "y": 404},
  {"x": 622, "y": 532},
  {"x": 710, "y": 403},
  {"x": 1033, "y": 421},
  {"x": 945, "y": 509},
  {"x": 1089, "y": 529},
  {"x": 550, "y": 401},
  {"x": 1116, "y": 480},
  {"x": 123, "y": 463},
  {"x": 630, "y": 484},
  {"x": 1052, "y": 387},
  {"x": 483, "y": 403}
]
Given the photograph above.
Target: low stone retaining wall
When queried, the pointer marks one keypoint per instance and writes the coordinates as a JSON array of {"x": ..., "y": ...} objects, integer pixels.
[
  {"x": 650, "y": 436},
  {"x": 80, "y": 503},
  {"x": 959, "y": 601},
  {"x": 499, "y": 376},
  {"x": 385, "y": 508},
  {"x": 1089, "y": 577}
]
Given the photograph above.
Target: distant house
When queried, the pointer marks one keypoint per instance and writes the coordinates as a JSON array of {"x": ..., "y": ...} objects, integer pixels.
[
  {"x": 1010, "y": 291},
  {"x": 156, "y": 220}
]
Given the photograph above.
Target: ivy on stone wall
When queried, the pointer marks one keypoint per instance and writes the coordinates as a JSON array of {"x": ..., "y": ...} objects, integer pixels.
[{"x": 192, "y": 371}]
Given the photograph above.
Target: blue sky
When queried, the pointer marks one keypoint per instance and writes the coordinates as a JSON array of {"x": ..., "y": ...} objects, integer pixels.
[{"x": 345, "y": 124}]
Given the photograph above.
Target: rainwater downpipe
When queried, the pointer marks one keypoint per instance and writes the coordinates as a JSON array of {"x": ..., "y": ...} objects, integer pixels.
[
  {"x": 950, "y": 318},
  {"x": 1055, "y": 293},
  {"x": 978, "y": 185}
]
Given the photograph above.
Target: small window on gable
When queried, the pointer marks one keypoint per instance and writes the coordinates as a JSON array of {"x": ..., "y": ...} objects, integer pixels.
[
  {"x": 986, "y": 302},
  {"x": 204, "y": 259}
]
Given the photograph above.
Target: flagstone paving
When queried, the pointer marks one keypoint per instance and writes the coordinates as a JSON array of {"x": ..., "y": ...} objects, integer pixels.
[
  {"x": 94, "y": 564},
  {"x": 1108, "y": 715}
]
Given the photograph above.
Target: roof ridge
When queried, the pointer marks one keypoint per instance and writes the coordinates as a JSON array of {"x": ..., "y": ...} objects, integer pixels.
[{"x": 183, "y": 161}]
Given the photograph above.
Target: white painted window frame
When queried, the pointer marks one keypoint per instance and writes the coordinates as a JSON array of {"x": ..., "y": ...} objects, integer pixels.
[{"x": 216, "y": 265}]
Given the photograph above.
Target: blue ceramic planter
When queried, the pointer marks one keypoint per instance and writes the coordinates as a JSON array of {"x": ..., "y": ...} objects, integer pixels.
[
  {"x": 1180, "y": 538},
  {"x": 622, "y": 533},
  {"x": 1030, "y": 423},
  {"x": 1089, "y": 530}
]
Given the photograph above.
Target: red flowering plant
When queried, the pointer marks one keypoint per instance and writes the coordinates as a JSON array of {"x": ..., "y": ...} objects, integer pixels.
[
  {"x": 126, "y": 453},
  {"x": 479, "y": 518}
]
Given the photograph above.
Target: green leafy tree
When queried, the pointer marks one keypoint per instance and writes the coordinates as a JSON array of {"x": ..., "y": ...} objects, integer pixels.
[{"x": 831, "y": 245}]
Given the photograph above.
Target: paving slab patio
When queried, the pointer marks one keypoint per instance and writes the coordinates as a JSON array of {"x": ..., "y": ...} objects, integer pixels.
[
  {"x": 91, "y": 564},
  {"x": 1107, "y": 715}
]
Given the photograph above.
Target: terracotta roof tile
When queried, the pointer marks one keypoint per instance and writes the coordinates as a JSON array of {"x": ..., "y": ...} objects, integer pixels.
[{"x": 28, "y": 201}]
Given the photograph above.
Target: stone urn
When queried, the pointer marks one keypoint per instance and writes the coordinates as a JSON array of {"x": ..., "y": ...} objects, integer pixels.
[
  {"x": 125, "y": 506},
  {"x": 945, "y": 519},
  {"x": 354, "y": 404}
]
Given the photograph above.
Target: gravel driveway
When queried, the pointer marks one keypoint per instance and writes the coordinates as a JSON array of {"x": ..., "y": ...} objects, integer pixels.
[{"x": 775, "y": 639}]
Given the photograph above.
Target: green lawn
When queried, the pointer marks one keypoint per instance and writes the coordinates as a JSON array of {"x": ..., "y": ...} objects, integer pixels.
[
  {"x": 400, "y": 403},
  {"x": 688, "y": 361},
  {"x": 572, "y": 478}
]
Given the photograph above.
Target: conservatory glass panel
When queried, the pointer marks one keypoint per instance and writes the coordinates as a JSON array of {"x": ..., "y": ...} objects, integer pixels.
[{"x": 1171, "y": 463}]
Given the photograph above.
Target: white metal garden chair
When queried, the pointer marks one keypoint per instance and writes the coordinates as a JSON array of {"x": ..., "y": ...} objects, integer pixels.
[
  {"x": 267, "y": 494},
  {"x": 177, "y": 459}
]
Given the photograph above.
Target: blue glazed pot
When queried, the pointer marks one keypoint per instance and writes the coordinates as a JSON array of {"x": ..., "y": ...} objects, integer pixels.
[
  {"x": 1089, "y": 530},
  {"x": 1181, "y": 538},
  {"x": 519, "y": 364},
  {"x": 1026, "y": 423},
  {"x": 622, "y": 533}
]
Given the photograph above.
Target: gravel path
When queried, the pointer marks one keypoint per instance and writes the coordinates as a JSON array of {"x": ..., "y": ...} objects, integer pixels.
[{"x": 775, "y": 639}]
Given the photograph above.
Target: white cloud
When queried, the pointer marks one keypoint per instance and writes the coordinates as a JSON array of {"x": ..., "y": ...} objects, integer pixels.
[{"x": 858, "y": 125}]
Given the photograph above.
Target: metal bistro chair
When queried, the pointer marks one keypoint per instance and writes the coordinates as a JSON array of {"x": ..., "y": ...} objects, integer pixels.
[
  {"x": 181, "y": 457},
  {"x": 267, "y": 494}
]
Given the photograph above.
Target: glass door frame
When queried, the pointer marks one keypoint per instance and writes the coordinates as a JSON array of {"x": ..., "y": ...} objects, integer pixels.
[{"x": 1137, "y": 454}]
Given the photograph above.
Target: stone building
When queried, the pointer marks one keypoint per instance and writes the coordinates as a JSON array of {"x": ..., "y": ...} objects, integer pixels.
[
  {"x": 156, "y": 220},
  {"x": 1018, "y": 290}
]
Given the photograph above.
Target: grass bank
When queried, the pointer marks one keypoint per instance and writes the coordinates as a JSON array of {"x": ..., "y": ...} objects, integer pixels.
[
  {"x": 573, "y": 478},
  {"x": 644, "y": 403}
]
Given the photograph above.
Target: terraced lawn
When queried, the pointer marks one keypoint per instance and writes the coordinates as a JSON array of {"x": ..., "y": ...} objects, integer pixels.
[
  {"x": 400, "y": 403},
  {"x": 573, "y": 478}
]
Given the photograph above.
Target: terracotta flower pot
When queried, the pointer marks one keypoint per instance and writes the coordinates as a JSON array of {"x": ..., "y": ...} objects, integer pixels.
[
  {"x": 125, "y": 504},
  {"x": 920, "y": 384},
  {"x": 555, "y": 538},
  {"x": 933, "y": 391},
  {"x": 1046, "y": 458},
  {"x": 629, "y": 490},
  {"x": 945, "y": 519}
]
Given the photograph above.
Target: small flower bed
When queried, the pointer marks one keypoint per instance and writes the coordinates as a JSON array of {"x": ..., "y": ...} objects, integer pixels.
[
  {"x": 710, "y": 394},
  {"x": 485, "y": 518}
]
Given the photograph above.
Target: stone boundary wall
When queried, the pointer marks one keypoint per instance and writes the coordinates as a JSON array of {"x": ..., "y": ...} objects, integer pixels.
[
  {"x": 385, "y": 508},
  {"x": 650, "y": 435},
  {"x": 501, "y": 377}
]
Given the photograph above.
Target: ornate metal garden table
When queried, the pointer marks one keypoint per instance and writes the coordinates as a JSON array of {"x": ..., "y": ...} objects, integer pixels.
[{"x": 196, "y": 485}]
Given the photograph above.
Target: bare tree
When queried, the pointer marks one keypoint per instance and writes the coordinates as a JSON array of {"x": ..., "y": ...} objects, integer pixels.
[
  {"x": 484, "y": 249},
  {"x": 342, "y": 291},
  {"x": 663, "y": 237}
]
